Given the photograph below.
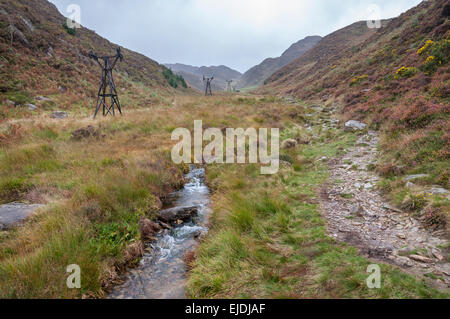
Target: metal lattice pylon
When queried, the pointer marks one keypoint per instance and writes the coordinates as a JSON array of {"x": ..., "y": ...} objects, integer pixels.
[
  {"x": 107, "y": 64},
  {"x": 229, "y": 88},
  {"x": 207, "y": 81}
]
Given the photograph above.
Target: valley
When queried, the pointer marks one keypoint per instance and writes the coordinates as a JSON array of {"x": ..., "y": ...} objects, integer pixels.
[{"x": 362, "y": 181}]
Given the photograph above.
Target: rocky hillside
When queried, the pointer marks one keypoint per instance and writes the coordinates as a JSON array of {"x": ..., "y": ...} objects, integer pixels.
[
  {"x": 395, "y": 79},
  {"x": 40, "y": 55},
  {"x": 259, "y": 73},
  {"x": 194, "y": 75}
]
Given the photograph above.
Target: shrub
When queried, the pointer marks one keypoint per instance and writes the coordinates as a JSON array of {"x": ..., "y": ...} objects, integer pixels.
[
  {"x": 439, "y": 54},
  {"x": 19, "y": 97},
  {"x": 71, "y": 31},
  {"x": 425, "y": 48},
  {"x": 433, "y": 217},
  {"x": 174, "y": 79},
  {"x": 12, "y": 189},
  {"x": 358, "y": 79},
  {"x": 406, "y": 72}
]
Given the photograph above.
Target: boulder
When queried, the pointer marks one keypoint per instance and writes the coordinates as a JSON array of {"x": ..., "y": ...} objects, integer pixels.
[
  {"x": 172, "y": 215},
  {"x": 421, "y": 259},
  {"x": 417, "y": 176},
  {"x": 59, "y": 115},
  {"x": 351, "y": 126},
  {"x": 289, "y": 143},
  {"x": 42, "y": 98},
  {"x": 438, "y": 191},
  {"x": 15, "y": 213},
  {"x": 148, "y": 229},
  {"x": 31, "y": 107}
]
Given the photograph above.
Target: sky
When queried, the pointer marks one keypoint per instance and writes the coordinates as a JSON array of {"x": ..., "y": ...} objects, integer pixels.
[{"x": 235, "y": 33}]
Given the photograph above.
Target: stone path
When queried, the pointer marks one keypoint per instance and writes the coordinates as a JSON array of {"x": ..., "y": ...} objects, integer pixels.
[{"x": 357, "y": 214}]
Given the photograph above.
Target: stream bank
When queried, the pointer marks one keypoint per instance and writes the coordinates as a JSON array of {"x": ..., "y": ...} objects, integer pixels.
[{"x": 161, "y": 273}]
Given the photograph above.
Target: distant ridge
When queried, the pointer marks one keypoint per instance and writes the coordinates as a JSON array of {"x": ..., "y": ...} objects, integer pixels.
[
  {"x": 259, "y": 73},
  {"x": 194, "y": 75}
]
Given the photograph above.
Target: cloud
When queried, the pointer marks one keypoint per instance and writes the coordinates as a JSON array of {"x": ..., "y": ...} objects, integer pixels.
[{"x": 236, "y": 33}]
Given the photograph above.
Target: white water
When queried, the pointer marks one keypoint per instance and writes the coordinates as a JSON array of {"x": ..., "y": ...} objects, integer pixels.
[{"x": 161, "y": 273}]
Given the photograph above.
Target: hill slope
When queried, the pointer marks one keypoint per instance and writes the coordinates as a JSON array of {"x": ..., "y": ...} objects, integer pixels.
[
  {"x": 396, "y": 79},
  {"x": 256, "y": 75},
  {"x": 194, "y": 75},
  {"x": 40, "y": 56}
]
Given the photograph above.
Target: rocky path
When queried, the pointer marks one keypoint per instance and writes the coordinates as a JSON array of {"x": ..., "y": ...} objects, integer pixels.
[{"x": 356, "y": 213}]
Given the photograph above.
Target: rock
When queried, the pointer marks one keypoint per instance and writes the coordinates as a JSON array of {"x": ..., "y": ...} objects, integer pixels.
[
  {"x": 62, "y": 89},
  {"x": 42, "y": 98},
  {"x": 357, "y": 210},
  {"x": 417, "y": 176},
  {"x": 31, "y": 107},
  {"x": 392, "y": 208},
  {"x": 401, "y": 236},
  {"x": 368, "y": 186},
  {"x": 410, "y": 185},
  {"x": 50, "y": 51},
  {"x": 438, "y": 255},
  {"x": 357, "y": 185},
  {"x": 164, "y": 225},
  {"x": 28, "y": 24},
  {"x": 85, "y": 132},
  {"x": 59, "y": 115},
  {"x": 10, "y": 103},
  {"x": 171, "y": 215},
  {"x": 421, "y": 259},
  {"x": 438, "y": 191},
  {"x": 405, "y": 262},
  {"x": 289, "y": 143},
  {"x": 16, "y": 32},
  {"x": 15, "y": 213},
  {"x": 354, "y": 126},
  {"x": 148, "y": 229}
]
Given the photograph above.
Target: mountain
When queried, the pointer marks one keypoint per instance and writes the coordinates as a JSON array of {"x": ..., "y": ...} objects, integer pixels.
[
  {"x": 41, "y": 55},
  {"x": 395, "y": 78},
  {"x": 256, "y": 75},
  {"x": 194, "y": 75}
]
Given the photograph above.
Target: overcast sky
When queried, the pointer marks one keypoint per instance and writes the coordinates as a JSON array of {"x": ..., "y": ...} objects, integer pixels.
[{"x": 236, "y": 33}]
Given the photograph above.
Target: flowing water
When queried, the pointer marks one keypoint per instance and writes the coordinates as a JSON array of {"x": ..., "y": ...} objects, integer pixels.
[{"x": 161, "y": 273}]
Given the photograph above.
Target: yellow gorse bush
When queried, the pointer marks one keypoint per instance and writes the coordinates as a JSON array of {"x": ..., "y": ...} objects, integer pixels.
[
  {"x": 427, "y": 45},
  {"x": 430, "y": 59},
  {"x": 406, "y": 72},
  {"x": 358, "y": 79}
]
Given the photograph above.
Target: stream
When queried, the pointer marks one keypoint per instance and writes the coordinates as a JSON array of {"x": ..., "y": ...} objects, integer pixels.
[{"x": 161, "y": 273}]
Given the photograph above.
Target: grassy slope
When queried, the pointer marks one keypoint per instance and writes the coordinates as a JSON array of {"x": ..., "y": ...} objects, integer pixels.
[
  {"x": 47, "y": 60},
  {"x": 95, "y": 190},
  {"x": 390, "y": 82},
  {"x": 261, "y": 245},
  {"x": 273, "y": 244}
]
